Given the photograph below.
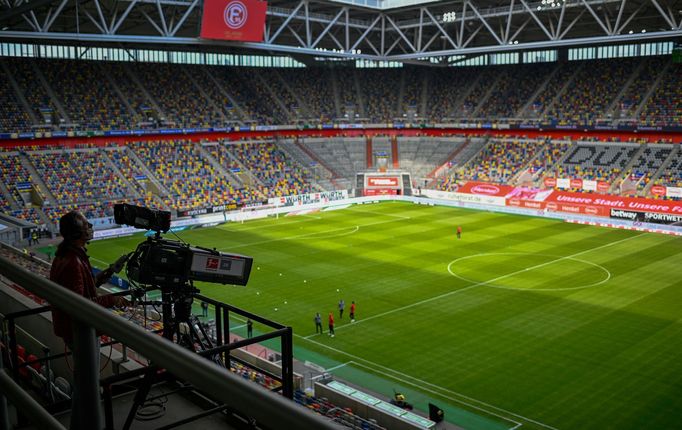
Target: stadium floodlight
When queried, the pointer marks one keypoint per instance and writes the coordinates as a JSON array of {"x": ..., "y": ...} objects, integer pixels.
[{"x": 449, "y": 16}]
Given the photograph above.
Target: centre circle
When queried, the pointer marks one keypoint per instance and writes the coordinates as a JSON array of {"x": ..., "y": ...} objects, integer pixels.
[{"x": 529, "y": 272}]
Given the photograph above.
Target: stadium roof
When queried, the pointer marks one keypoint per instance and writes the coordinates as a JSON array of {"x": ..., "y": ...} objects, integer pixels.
[
  {"x": 384, "y": 4},
  {"x": 393, "y": 30}
]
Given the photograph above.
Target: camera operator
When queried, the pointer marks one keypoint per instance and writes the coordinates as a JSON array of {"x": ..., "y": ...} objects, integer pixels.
[{"x": 71, "y": 268}]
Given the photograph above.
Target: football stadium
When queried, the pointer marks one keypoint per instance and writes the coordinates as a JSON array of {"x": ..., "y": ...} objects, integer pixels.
[{"x": 365, "y": 214}]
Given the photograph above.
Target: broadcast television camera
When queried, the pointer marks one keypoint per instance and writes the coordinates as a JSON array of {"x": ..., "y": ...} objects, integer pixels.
[{"x": 173, "y": 264}]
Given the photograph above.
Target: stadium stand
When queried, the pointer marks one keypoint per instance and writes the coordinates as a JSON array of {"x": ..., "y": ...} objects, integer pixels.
[
  {"x": 476, "y": 94},
  {"x": 422, "y": 155},
  {"x": 348, "y": 156},
  {"x": 348, "y": 90},
  {"x": 145, "y": 113},
  {"x": 78, "y": 176},
  {"x": 671, "y": 174},
  {"x": 105, "y": 95},
  {"x": 86, "y": 95},
  {"x": 412, "y": 82},
  {"x": 315, "y": 89},
  {"x": 253, "y": 85},
  {"x": 380, "y": 89},
  {"x": 185, "y": 106},
  {"x": 14, "y": 175},
  {"x": 588, "y": 95},
  {"x": 280, "y": 176},
  {"x": 548, "y": 155},
  {"x": 224, "y": 108},
  {"x": 191, "y": 179},
  {"x": 12, "y": 114},
  {"x": 646, "y": 163},
  {"x": 636, "y": 92},
  {"x": 500, "y": 160},
  {"x": 445, "y": 89},
  {"x": 664, "y": 107},
  {"x": 600, "y": 162},
  {"x": 25, "y": 73},
  {"x": 516, "y": 86}
]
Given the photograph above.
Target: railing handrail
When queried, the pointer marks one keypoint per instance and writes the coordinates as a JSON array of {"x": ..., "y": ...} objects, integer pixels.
[
  {"x": 267, "y": 408},
  {"x": 27, "y": 404}
]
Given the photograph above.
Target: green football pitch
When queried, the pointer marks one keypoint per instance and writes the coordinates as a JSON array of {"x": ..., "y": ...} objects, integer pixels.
[{"x": 522, "y": 323}]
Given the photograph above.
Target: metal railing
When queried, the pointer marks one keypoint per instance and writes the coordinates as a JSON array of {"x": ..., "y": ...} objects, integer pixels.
[{"x": 269, "y": 410}]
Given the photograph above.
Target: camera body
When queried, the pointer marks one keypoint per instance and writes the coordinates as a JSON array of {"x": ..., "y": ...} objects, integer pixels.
[
  {"x": 141, "y": 217},
  {"x": 172, "y": 264}
]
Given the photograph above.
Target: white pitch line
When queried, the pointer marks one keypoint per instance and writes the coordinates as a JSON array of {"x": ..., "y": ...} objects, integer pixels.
[
  {"x": 331, "y": 369},
  {"x": 451, "y": 293},
  {"x": 260, "y": 227},
  {"x": 382, "y": 214},
  {"x": 420, "y": 386},
  {"x": 97, "y": 259},
  {"x": 301, "y": 236},
  {"x": 357, "y": 359}
]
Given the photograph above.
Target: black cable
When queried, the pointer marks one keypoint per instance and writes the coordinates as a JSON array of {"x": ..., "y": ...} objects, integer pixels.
[
  {"x": 152, "y": 409},
  {"x": 179, "y": 238}
]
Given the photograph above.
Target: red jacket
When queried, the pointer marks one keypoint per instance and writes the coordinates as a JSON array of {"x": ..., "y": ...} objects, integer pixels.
[{"x": 72, "y": 270}]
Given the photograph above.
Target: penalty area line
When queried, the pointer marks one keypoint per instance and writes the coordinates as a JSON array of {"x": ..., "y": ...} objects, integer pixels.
[
  {"x": 381, "y": 214},
  {"x": 517, "y": 424},
  {"x": 329, "y": 233}
]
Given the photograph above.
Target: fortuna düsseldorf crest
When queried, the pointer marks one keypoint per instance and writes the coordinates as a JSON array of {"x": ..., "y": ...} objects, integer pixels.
[
  {"x": 235, "y": 15},
  {"x": 241, "y": 20}
]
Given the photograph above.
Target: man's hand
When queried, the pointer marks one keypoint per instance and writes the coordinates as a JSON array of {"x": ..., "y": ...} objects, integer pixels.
[
  {"x": 121, "y": 302},
  {"x": 103, "y": 276}
]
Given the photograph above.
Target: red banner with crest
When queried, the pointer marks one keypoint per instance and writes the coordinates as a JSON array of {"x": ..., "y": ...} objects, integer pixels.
[{"x": 242, "y": 20}]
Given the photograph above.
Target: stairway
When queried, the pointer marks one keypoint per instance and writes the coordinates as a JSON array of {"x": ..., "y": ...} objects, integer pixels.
[
  {"x": 242, "y": 114},
  {"x": 317, "y": 159},
  {"x": 150, "y": 176},
  {"x": 524, "y": 109},
  {"x": 20, "y": 94},
  {"x": 117, "y": 90},
  {"x": 450, "y": 157},
  {"x": 37, "y": 179},
  {"x": 9, "y": 198},
  {"x": 335, "y": 90},
  {"x": 50, "y": 93},
  {"x": 612, "y": 109},
  {"x": 131, "y": 187},
  {"x": 232, "y": 178},
  {"x": 651, "y": 90},
  {"x": 273, "y": 96},
  {"x": 358, "y": 93},
  {"x": 563, "y": 89},
  {"x": 487, "y": 95},
  {"x": 205, "y": 95},
  {"x": 143, "y": 90}
]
